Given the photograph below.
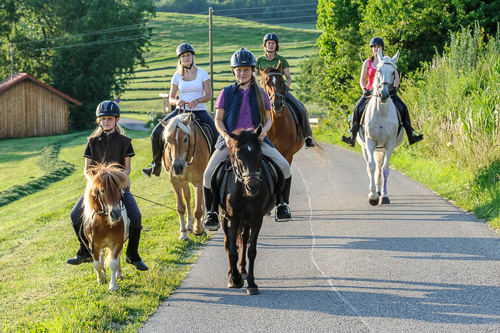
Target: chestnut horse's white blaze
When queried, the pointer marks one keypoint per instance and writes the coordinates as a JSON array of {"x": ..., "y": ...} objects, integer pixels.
[
  {"x": 380, "y": 127},
  {"x": 185, "y": 158}
]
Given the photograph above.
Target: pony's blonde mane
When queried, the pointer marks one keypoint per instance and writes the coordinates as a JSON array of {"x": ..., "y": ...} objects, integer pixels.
[
  {"x": 177, "y": 122},
  {"x": 109, "y": 177}
]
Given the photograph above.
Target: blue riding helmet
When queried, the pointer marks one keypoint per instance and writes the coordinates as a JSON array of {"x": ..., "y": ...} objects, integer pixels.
[
  {"x": 107, "y": 108},
  {"x": 242, "y": 57},
  {"x": 184, "y": 47},
  {"x": 376, "y": 41}
]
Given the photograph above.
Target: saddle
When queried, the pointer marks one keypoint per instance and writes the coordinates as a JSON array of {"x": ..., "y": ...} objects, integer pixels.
[
  {"x": 207, "y": 133},
  {"x": 274, "y": 176},
  {"x": 296, "y": 116}
]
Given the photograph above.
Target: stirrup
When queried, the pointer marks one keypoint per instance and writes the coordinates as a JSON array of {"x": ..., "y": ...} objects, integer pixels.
[
  {"x": 287, "y": 214},
  {"x": 211, "y": 222}
]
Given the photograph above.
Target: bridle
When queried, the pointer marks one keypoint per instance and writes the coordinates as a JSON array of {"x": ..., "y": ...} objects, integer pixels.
[
  {"x": 274, "y": 94},
  {"x": 384, "y": 83},
  {"x": 188, "y": 160},
  {"x": 245, "y": 177},
  {"x": 103, "y": 210}
]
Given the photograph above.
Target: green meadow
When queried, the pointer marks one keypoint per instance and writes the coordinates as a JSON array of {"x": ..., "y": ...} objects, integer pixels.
[
  {"x": 42, "y": 178},
  {"x": 229, "y": 35}
]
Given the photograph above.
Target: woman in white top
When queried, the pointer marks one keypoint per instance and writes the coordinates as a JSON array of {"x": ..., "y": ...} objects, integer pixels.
[{"x": 193, "y": 87}]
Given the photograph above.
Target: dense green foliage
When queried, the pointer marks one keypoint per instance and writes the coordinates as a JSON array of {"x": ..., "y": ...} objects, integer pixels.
[
  {"x": 418, "y": 28},
  {"x": 86, "y": 49}
]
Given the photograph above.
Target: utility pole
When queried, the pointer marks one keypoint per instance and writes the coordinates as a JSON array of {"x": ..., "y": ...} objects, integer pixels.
[
  {"x": 11, "y": 60},
  {"x": 210, "y": 11}
]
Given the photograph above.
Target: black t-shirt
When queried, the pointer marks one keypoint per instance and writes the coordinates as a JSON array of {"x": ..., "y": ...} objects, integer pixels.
[{"x": 109, "y": 148}]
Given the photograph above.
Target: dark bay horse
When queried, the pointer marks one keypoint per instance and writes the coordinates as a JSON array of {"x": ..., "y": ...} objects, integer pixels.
[
  {"x": 248, "y": 197},
  {"x": 105, "y": 219},
  {"x": 283, "y": 133},
  {"x": 185, "y": 156}
]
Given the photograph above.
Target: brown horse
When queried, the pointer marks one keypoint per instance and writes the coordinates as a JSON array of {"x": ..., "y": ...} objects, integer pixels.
[
  {"x": 283, "y": 133},
  {"x": 185, "y": 157},
  {"x": 105, "y": 220},
  {"x": 248, "y": 198}
]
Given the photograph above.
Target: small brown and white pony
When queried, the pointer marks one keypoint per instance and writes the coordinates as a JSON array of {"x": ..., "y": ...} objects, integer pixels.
[
  {"x": 185, "y": 157},
  {"x": 106, "y": 223},
  {"x": 283, "y": 133}
]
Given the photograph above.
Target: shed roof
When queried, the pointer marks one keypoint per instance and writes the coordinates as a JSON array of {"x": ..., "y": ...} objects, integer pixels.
[{"x": 20, "y": 77}]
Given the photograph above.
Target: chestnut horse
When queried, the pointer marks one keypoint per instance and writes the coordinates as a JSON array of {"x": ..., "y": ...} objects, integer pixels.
[
  {"x": 105, "y": 219},
  {"x": 185, "y": 157},
  {"x": 247, "y": 198},
  {"x": 283, "y": 134}
]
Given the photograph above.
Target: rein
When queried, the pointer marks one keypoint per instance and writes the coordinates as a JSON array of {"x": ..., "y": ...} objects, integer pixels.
[
  {"x": 244, "y": 177},
  {"x": 103, "y": 211}
]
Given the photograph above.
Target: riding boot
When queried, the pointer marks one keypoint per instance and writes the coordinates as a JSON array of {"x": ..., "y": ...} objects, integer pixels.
[
  {"x": 413, "y": 136},
  {"x": 351, "y": 141},
  {"x": 83, "y": 254},
  {"x": 283, "y": 212},
  {"x": 211, "y": 217},
  {"x": 132, "y": 255},
  {"x": 154, "y": 168}
]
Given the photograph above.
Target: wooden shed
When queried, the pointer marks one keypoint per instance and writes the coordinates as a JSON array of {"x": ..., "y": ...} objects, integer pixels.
[{"x": 29, "y": 107}]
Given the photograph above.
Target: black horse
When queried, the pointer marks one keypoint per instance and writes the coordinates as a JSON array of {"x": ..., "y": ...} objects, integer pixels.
[{"x": 247, "y": 195}]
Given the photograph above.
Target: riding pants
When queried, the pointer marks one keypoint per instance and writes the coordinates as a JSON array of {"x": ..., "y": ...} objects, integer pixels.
[
  {"x": 128, "y": 200},
  {"x": 220, "y": 155},
  {"x": 158, "y": 130},
  {"x": 301, "y": 114}
]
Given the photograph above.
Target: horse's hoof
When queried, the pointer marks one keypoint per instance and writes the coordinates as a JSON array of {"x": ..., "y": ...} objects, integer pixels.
[
  {"x": 373, "y": 202},
  {"x": 200, "y": 234},
  {"x": 244, "y": 275},
  {"x": 114, "y": 288},
  {"x": 231, "y": 284},
  {"x": 183, "y": 237},
  {"x": 379, "y": 194},
  {"x": 253, "y": 291},
  {"x": 385, "y": 200}
]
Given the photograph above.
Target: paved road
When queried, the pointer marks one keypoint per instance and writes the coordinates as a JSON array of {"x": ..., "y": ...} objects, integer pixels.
[
  {"x": 133, "y": 124},
  {"x": 416, "y": 265}
]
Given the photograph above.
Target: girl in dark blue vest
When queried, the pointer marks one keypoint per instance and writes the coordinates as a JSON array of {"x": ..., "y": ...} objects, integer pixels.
[
  {"x": 242, "y": 105},
  {"x": 107, "y": 144}
]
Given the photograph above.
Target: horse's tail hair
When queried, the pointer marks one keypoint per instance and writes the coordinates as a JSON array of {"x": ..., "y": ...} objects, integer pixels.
[{"x": 320, "y": 152}]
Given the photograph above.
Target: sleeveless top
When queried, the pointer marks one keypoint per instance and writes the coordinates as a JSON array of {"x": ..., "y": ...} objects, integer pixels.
[{"x": 371, "y": 75}]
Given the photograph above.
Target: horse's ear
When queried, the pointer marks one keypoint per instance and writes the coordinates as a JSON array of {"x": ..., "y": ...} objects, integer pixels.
[
  {"x": 231, "y": 135},
  {"x": 258, "y": 130},
  {"x": 396, "y": 57},
  {"x": 163, "y": 122},
  {"x": 379, "y": 55},
  {"x": 279, "y": 66},
  {"x": 187, "y": 120},
  {"x": 261, "y": 69}
]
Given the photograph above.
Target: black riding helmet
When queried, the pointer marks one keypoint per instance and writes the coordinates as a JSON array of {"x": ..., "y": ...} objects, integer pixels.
[
  {"x": 376, "y": 41},
  {"x": 271, "y": 36},
  {"x": 107, "y": 108},
  {"x": 241, "y": 58},
  {"x": 184, "y": 47}
]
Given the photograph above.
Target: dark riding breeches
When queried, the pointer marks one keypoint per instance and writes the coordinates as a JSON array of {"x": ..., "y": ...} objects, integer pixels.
[
  {"x": 301, "y": 114},
  {"x": 128, "y": 200}
]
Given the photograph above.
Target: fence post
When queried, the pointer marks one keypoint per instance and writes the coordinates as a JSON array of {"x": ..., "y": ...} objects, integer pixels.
[{"x": 211, "y": 58}]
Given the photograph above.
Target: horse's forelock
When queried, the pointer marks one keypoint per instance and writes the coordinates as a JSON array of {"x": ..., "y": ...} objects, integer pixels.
[
  {"x": 244, "y": 137},
  {"x": 177, "y": 122}
]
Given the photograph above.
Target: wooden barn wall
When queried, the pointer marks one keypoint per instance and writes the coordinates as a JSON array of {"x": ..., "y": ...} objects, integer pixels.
[{"x": 28, "y": 109}]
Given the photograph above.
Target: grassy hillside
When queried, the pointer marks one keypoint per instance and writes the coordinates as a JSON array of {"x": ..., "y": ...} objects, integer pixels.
[{"x": 229, "y": 34}]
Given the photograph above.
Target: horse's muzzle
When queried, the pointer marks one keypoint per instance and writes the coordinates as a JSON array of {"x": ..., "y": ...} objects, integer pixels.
[
  {"x": 178, "y": 169},
  {"x": 252, "y": 187},
  {"x": 115, "y": 214}
]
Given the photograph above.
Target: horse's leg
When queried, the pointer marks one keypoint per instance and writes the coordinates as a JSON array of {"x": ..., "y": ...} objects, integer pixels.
[
  {"x": 199, "y": 229},
  {"x": 119, "y": 272},
  {"x": 181, "y": 208},
  {"x": 385, "y": 172},
  {"x": 370, "y": 169},
  {"x": 186, "y": 191},
  {"x": 114, "y": 264},
  {"x": 243, "y": 240},
  {"x": 235, "y": 279},
  {"x": 379, "y": 160},
  {"x": 98, "y": 264},
  {"x": 252, "y": 288}
]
